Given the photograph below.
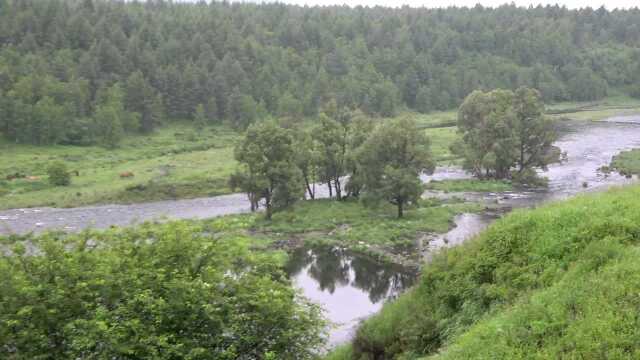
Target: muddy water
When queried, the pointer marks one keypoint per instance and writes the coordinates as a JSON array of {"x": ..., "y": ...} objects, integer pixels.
[
  {"x": 349, "y": 287},
  {"x": 588, "y": 146}
]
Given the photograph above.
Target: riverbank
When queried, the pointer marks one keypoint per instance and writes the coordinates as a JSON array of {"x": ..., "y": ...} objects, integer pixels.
[{"x": 533, "y": 284}]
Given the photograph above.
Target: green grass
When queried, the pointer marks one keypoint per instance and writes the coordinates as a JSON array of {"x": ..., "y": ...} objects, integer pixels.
[
  {"x": 437, "y": 119},
  {"x": 470, "y": 185},
  {"x": 441, "y": 139},
  {"x": 627, "y": 162},
  {"x": 560, "y": 281},
  {"x": 174, "y": 162},
  {"x": 373, "y": 230},
  {"x": 616, "y": 105}
]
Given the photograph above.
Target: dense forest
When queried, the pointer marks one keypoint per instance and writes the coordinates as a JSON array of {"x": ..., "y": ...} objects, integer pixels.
[{"x": 89, "y": 71}]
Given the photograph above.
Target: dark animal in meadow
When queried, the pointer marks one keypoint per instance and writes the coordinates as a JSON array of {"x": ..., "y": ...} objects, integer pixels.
[{"x": 16, "y": 176}]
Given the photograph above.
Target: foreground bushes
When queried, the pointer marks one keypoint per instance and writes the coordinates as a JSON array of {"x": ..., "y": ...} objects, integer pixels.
[
  {"x": 161, "y": 291},
  {"x": 557, "y": 282}
]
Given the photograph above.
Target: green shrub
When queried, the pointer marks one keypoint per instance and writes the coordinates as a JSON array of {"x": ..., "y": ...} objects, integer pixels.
[
  {"x": 59, "y": 174},
  {"x": 170, "y": 291}
]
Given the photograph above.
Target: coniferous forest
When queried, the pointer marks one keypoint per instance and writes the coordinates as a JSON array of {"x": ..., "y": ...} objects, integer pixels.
[{"x": 90, "y": 71}]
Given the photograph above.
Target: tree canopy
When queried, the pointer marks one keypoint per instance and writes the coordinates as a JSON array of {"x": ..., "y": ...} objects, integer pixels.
[
  {"x": 391, "y": 161},
  {"x": 268, "y": 166},
  {"x": 504, "y": 134},
  {"x": 244, "y": 61}
]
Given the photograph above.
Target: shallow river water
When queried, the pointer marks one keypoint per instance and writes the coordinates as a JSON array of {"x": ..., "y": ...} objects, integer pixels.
[{"x": 351, "y": 287}]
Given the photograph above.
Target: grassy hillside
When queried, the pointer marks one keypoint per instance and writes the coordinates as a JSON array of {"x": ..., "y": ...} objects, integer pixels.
[{"x": 561, "y": 281}]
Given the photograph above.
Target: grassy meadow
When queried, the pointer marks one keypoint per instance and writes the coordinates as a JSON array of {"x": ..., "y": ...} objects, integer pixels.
[
  {"x": 470, "y": 185},
  {"x": 616, "y": 105},
  {"x": 174, "y": 162}
]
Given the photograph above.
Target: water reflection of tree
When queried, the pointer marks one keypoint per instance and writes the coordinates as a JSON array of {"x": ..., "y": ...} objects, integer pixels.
[
  {"x": 379, "y": 280},
  {"x": 330, "y": 268},
  {"x": 298, "y": 260}
]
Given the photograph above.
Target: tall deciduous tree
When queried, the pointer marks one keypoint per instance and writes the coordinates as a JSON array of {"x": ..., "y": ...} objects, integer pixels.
[
  {"x": 307, "y": 159},
  {"x": 391, "y": 161},
  {"x": 534, "y": 131},
  {"x": 331, "y": 137},
  {"x": 267, "y": 156},
  {"x": 503, "y": 132}
]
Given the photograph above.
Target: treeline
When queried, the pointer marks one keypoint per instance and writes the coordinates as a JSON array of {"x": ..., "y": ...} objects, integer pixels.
[{"x": 235, "y": 63}]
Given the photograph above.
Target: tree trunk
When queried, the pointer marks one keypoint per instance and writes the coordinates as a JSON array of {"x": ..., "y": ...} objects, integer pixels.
[
  {"x": 400, "y": 209},
  {"x": 252, "y": 200},
  {"x": 268, "y": 211},
  {"x": 311, "y": 192},
  {"x": 330, "y": 189},
  {"x": 338, "y": 189}
]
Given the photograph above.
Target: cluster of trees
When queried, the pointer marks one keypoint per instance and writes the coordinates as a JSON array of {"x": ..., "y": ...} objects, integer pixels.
[
  {"x": 505, "y": 134},
  {"x": 353, "y": 157},
  {"x": 155, "y": 292},
  {"x": 234, "y": 62}
]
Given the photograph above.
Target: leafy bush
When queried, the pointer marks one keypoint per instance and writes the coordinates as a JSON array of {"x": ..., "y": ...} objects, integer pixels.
[
  {"x": 159, "y": 291},
  {"x": 59, "y": 174}
]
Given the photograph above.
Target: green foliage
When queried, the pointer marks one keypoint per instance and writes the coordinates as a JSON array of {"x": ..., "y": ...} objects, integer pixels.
[
  {"x": 268, "y": 166},
  {"x": 343, "y": 352},
  {"x": 553, "y": 282},
  {"x": 200, "y": 118},
  {"x": 331, "y": 138},
  {"x": 179, "y": 290},
  {"x": 391, "y": 160},
  {"x": 59, "y": 174},
  {"x": 245, "y": 61},
  {"x": 502, "y": 130},
  {"x": 627, "y": 162}
]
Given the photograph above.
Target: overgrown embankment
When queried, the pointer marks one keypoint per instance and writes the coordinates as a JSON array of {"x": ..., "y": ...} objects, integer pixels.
[{"x": 560, "y": 281}]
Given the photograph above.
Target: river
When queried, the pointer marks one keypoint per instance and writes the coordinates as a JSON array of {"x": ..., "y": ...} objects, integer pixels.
[{"x": 352, "y": 287}]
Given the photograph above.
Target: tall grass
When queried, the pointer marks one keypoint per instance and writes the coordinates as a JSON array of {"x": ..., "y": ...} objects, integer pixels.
[{"x": 560, "y": 281}]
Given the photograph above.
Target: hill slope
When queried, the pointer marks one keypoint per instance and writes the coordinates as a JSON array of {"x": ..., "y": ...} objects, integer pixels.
[{"x": 561, "y": 281}]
